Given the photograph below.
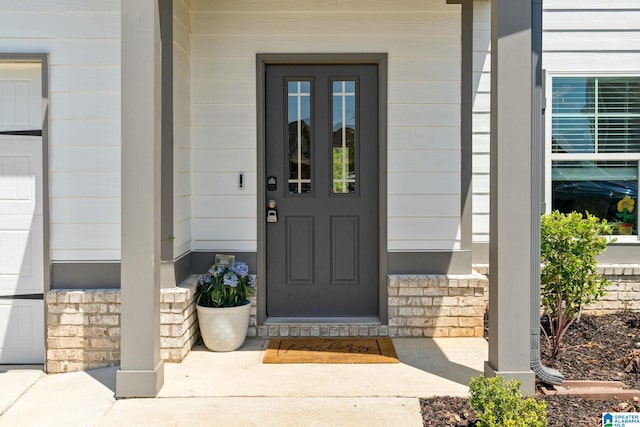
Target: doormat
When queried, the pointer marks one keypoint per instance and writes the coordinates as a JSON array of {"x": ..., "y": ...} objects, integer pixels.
[{"x": 330, "y": 350}]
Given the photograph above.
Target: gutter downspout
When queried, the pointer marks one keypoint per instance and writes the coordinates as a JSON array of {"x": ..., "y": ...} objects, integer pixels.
[{"x": 545, "y": 374}]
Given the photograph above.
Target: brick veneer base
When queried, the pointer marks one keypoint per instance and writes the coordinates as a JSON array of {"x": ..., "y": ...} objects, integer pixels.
[
  {"x": 622, "y": 294},
  {"x": 624, "y": 291},
  {"x": 83, "y": 326},
  {"x": 437, "y": 305},
  {"x": 418, "y": 306}
]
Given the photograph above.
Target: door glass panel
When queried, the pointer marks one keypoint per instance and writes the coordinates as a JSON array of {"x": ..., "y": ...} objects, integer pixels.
[
  {"x": 343, "y": 143},
  {"x": 299, "y": 136}
]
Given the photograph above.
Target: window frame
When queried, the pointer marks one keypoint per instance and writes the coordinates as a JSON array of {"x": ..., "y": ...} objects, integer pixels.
[{"x": 550, "y": 157}]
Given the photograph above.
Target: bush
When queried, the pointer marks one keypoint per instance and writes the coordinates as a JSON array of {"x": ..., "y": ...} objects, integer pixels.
[
  {"x": 569, "y": 245},
  {"x": 500, "y": 404}
]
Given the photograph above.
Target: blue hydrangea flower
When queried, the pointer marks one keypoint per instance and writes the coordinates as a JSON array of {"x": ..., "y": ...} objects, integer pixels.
[
  {"x": 251, "y": 281},
  {"x": 240, "y": 268},
  {"x": 230, "y": 279}
]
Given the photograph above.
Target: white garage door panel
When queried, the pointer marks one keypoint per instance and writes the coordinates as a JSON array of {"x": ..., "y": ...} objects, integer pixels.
[
  {"x": 20, "y": 96},
  {"x": 14, "y": 104},
  {"x": 21, "y": 220},
  {"x": 21, "y": 215},
  {"x": 21, "y": 331},
  {"x": 20, "y": 175},
  {"x": 21, "y": 265}
]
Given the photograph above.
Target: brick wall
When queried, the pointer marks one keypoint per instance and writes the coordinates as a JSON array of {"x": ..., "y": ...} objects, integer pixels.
[
  {"x": 178, "y": 320},
  {"x": 622, "y": 294},
  {"x": 83, "y": 327},
  {"x": 419, "y": 306},
  {"x": 436, "y": 305},
  {"x": 624, "y": 291}
]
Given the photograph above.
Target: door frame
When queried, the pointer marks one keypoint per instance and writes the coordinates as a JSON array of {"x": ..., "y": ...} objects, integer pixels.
[
  {"x": 43, "y": 60},
  {"x": 264, "y": 60}
]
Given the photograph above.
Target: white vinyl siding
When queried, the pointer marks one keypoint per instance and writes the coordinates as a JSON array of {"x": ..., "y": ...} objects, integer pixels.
[
  {"x": 481, "y": 118},
  {"x": 82, "y": 38},
  {"x": 422, "y": 39},
  {"x": 182, "y": 127},
  {"x": 591, "y": 36}
]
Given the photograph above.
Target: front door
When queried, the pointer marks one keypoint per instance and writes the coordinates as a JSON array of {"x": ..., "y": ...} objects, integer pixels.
[{"x": 322, "y": 177}]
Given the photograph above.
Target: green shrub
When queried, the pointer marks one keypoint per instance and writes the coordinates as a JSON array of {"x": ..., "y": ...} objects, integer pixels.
[
  {"x": 569, "y": 245},
  {"x": 500, "y": 404}
]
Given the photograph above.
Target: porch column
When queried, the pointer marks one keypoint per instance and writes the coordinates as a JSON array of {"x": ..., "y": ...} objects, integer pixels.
[
  {"x": 511, "y": 180},
  {"x": 141, "y": 371}
]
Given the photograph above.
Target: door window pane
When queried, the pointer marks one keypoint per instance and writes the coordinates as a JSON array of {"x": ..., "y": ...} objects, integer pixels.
[
  {"x": 343, "y": 139},
  {"x": 299, "y": 136}
]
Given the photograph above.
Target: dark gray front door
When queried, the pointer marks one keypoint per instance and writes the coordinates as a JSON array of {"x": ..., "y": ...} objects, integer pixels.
[{"x": 322, "y": 154}]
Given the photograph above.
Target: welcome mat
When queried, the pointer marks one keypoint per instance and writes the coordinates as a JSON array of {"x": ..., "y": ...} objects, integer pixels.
[{"x": 330, "y": 350}]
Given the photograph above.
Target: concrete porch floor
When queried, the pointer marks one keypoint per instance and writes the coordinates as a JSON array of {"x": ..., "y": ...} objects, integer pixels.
[{"x": 236, "y": 389}]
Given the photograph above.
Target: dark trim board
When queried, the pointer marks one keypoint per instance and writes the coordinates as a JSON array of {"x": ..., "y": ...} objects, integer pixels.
[
  {"x": 616, "y": 253},
  {"x": 454, "y": 262},
  {"x": 166, "y": 156},
  {"x": 182, "y": 267},
  {"x": 480, "y": 253},
  {"x": 85, "y": 275},
  {"x": 201, "y": 261},
  {"x": 95, "y": 275},
  {"x": 106, "y": 275},
  {"x": 621, "y": 253}
]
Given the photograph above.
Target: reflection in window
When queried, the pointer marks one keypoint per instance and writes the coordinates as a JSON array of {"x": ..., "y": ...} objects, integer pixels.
[
  {"x": 595, "y": 146},
  {"x": 343, "y": 140},
  {"x": 595, "y": 187},
  {"x": 299, "y": 136}
]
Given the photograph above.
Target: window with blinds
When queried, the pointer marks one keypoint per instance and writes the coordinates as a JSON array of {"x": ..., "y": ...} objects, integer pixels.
[
  {"x": 595, "y": 145},
  {"x": 596, "y": 115}
]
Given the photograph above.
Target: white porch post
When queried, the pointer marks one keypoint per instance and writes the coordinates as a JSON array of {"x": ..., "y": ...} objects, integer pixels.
[
  {"x": 141, "y": 372},
  {"x": 511, "y": 182}
]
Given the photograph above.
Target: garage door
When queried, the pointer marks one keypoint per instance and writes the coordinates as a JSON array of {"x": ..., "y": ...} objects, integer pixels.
[{"x": 21, "y": 215}]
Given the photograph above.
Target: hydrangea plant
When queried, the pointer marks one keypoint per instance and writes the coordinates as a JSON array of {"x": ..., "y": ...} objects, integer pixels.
[{"x": 225, "y": 286}]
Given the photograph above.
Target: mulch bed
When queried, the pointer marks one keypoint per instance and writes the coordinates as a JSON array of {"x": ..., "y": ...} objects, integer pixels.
[{"x": 591, "y": 350}]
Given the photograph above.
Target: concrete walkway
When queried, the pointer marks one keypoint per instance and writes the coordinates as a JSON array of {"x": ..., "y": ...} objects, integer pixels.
[{"x": 235, "y": 389}]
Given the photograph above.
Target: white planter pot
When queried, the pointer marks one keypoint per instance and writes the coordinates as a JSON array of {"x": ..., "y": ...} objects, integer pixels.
[{"x": 224, "y": 329}]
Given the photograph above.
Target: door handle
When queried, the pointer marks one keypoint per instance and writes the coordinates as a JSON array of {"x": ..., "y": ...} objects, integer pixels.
[{"x": 272, "y": 211}]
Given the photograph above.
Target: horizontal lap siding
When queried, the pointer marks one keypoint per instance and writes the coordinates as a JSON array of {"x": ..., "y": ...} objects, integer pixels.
[
  {"x": 592, "y": 36},
  {"x": 422, "y": 39},
  {"x": 481, "y": 118},
  {"x": 183, "y": 200},
  {"x": 82, "y": 38}
]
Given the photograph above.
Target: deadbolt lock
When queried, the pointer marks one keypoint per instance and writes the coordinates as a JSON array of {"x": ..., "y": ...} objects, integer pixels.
[{"x": 272, "y": 211}]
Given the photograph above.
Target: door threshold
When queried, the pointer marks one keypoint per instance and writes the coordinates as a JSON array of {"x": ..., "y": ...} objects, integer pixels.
[{"x": 322, "y": 320}]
